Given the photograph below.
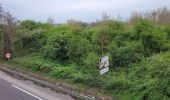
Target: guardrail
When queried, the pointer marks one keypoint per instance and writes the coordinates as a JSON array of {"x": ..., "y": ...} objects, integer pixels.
[{"x": 47, "y": 84}]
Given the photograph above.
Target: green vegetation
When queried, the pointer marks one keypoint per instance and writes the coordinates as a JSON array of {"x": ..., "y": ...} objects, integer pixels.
[
  {"x": 139, "y": 55},
  {"x": 146, "y": 80}
]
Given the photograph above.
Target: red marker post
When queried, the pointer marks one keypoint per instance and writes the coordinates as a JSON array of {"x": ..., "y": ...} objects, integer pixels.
[{"x": 8, "y": 56}]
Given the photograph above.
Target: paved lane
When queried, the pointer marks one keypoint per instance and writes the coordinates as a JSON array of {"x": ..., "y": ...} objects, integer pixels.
[
  {"x": 15, "y": 89},
  {"x": 11, "y": 92}
]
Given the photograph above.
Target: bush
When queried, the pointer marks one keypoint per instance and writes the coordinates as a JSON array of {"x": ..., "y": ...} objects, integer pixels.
[
  {"x": 118, "y": 84},
  {"x": 56, "y": 47},
  {"x": 36, "y": 63},
  {"x": 91, "y": 61},
  {"x": 58, "y": 39},
  {"x": 94, "y": 80},
  {"x": 152, "y": 78},
  {"x": 117, "y": 27},
  {"x": 143, "y": 26},
  {"x": 152, "y": 37},
  {"x": 28, "y": 24},
  {"x": 101, "y": 39},
  {"x": 153, "y": 43},
  {"x": 78, "y": 49},
  {"x": 33, "y": 41},
  {"x": 167, "y": 31},
  {"x": 129, "y": 54},
  {"x": 87, "y": 34},
  {"x": 78, "y": 77},
  {"x": 63, "y": 72},
  {"x": 32, "y": 25},
  {"x": 61, "y": 29}
]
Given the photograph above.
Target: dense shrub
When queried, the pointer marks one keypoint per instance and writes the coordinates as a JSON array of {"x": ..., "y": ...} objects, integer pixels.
[
  {"x": 94, "y": 80},
  {"x": 101, "y": 39},
  {"x": 152, "y": 78},
  {"x": 32, "y": 25},
  {"x": 153, "y": 38},
  {"x": 117, "y": 27},
  {"x": 56, "y": 48},
  {"x": 88, "y": 33},
  {"x": 34, "y": 40},
  {"x": 78, "y": 49},
  {"x": 78, "y": 77},
  {"x": 91, "y": 61},
  {"x": 63, "y": 72},
  {"x": 129, "y": 54},
  {"x": 143, "y": 26},
  {"x": 153, "y": 43},
  {"x": 58, "y": 39},
  {"x": 167, "y": 31},
  {"x": 118, "y": 84},
  {"x": 61, "y": 29},
  {"x": 28, "y": 24},
  {"x": 36, "y": 63}
]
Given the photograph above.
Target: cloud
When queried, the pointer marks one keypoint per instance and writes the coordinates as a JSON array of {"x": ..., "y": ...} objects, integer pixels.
[{"x": 85, "y": 10}]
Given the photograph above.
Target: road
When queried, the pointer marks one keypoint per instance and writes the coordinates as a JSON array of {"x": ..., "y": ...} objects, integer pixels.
[{"x": 15, "y": 89}]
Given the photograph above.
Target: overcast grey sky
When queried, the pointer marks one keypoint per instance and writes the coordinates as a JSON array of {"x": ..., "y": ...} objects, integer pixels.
[{"x": 84, "y": 10}]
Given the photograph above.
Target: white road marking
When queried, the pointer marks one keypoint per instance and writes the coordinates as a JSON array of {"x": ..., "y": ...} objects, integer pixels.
[{"x": 27, "y": 92}]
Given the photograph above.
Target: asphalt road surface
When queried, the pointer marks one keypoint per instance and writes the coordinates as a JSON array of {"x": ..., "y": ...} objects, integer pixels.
[
  {"x": 14, "y": 89},
  {"x": 12, "y": 92}
]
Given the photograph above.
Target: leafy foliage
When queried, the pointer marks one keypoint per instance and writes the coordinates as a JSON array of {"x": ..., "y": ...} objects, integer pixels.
[
  {"x": 129, "y": 54},
  {"x": 57, "y": 47},
  {"x": 78, "y": 49},
  {"x": 32, "y": 25},
  {"x": 33, "y": 40},
  {"x": 152, "y": 38},
  {"x": 91, "y": 60},
  {"x": 139, "y": 55}
]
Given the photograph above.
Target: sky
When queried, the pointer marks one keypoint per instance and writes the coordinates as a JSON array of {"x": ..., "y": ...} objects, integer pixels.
[{"x": 83, "y": 10}]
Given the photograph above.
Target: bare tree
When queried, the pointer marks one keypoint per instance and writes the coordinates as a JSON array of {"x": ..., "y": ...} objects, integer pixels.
[
  {"x": 76, "y": 23},
  {"x": 50, "y": 21},
  {"x": 106, "y": 17},
  {"x": 160, "y": 16},
  {"x": 8, "y": 29},
  {"x": 135, "y": 16},
  {"x": 163, "y": 16}
]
